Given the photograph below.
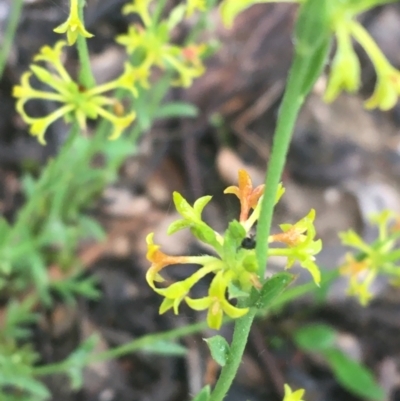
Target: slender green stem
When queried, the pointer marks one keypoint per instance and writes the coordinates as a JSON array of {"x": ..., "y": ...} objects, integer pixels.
[
  {"x": 290, "y": 107},
  {"x": 297, "y": 88},
  {"x": 10, "y": 33},
  {"x": 239, "y": 340},
  {"x": 291, "y": 104},
  {"x": 85, "y": 75},
  {"x": 124, "y": 349}
]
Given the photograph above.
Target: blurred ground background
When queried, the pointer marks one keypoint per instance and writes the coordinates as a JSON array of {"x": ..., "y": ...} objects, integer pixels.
[{"x": 344, "y": 162}]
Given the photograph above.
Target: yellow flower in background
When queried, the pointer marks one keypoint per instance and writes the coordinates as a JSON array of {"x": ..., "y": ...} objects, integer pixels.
[
  {"x": 293, "y": 396},
  {"x": 75, "y": 101},
  {"x": 73, "y": 26},
  {"x": 345, "y": 69},
  {"x": 140, "y": 7},
  {"x": 195, "y": 5},
  {"x": 361, "y": 275},
  {"x": 302, "y": 246}
]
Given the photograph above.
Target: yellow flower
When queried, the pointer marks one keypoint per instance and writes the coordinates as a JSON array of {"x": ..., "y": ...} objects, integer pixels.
[
  {"x": 193, "y": 5},
  {"x": 293, "y": 396},
  {"x": 248, "y": 196},
  {"x": 387, "y": 88},
  {"x": 77, "y": 102},
  {"x": 159, "y": 260},
  {"x": 216, "y": 302},
  {"x": 73, "y": 26},
  {"x": 140, "y": 7},
  {"x": 345, "y": 69},
  {"x": 299, "y": 237},
  {"x": 361, "y": 275}
]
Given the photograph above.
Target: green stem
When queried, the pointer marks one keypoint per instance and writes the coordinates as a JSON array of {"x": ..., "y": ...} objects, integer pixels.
[
  {"x": 239, "y": 340},
  {"x": 85, "y": 74},
  {"x": 290, "y": 107},
  {"x": 301, "y": 76},
  {"x": 125, "y": 349},
  {"x": 10, "y": 33}
]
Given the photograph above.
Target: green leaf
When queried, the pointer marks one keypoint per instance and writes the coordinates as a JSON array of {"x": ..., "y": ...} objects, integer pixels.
[
  {"x": 316, "y": 65},
  {"x": 200, "y": 204},
  {"x": 78, "y": 360},
  {"x": 92, "y": 228},
  {"x": 315, "y": 337},
  {"x": 16, "y": 372},
  {"x": 203, "y": 394},
  {"x": 183, "y": 208},
  {"x": 272, "y": 288},
  {"x": 219, "y": 349},
  {"x": 176, "y": 16},
  {"x": 166, "y": 348},
  {"x": 353, "y": 376},
  {"x": 28, "y": 185},
  {"x": 235, "y": 292},
  {"x": 177, "y": 109},
  {"x": 5, "y": 229},
  {"x": 177, "y": 226},
  {"x": 205, "y": 234}
]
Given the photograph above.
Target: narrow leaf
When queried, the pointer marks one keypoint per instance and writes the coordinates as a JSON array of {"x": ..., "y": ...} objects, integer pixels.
[
  {"x": 177, "y": 109},
  {"x": 354, "y": 377},
  {"x": 315, "y": 337},
  {"x": 270, "y": 290},
  {"x": 203, "y": 395}
]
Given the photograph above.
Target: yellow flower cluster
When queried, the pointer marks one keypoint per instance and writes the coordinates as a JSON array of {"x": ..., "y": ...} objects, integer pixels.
[
  {"x": 378, "y": 258},
  {"x": 151, "y": 44},
  {"x": 345, "y": 67},
  {"x": 76, "y": 102},
  {"x": 235, "y": 265}
]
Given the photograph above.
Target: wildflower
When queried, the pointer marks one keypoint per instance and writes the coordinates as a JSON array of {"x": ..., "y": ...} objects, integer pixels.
[
  {"x": 73, "y": 26},
  {"x": 345, "y": 69},
  {"x": 248, "y": 196},
  {"x": 140, "y": 7},
  {"x": 361, "y": 275},
  {"x": 216, "y": 302},
  {"x": 193, "y": 5},
  {"x": 293, "y": 396},
  {"x": 159, "y": 260},
  {"x": 302, "y": 247},
  {"x": 76, "y": 102},
  {"x": 153, "y": 48}
]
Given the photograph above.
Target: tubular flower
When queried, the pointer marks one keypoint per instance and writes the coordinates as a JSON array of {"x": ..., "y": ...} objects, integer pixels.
[
  {"x": 378, "y": 258},
  {"x": 361, "y": 277},
  {"x": 152, "y": 45},
  {"x": 140, "y": 7},
  {"x": 345, "y": 69},
  {"x": 299, "y": 238},
  {"x": 235, "y": 265},
  {"x": 175, "y": 293},
  {"x": 193, "y": 5},
  {"x": 247, "y": 195},
  {"x": 387, "y": 87},
  {"x": 293, "y": 396},
  {"x": 229, "y": 9},
  {"x": 73, "y": 26},
  {"x": 216, "y": 302},
  {"x": 75, "y": 101}
]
